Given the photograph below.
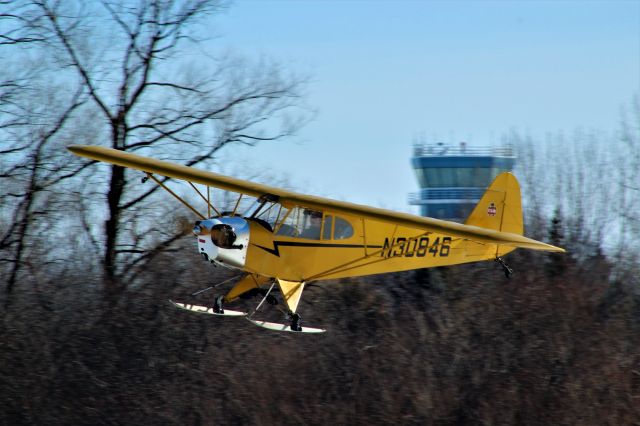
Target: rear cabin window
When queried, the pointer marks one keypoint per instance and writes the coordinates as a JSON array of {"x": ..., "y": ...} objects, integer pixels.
[{"x": 342, "y": 229}]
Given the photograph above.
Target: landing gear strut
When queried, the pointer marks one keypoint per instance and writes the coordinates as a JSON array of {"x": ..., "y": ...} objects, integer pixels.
[
  {"x": 254, "y": 292},
  {"x": 217, "y": 305},
  {"x": 295, "y": 322},
  {"x": 505, "y": 268}
]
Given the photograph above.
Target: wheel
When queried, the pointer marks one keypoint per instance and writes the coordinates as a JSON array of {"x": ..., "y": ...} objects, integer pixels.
[
  {"x": 295, "y": 322},
  {"x": 217, "y": 305}
]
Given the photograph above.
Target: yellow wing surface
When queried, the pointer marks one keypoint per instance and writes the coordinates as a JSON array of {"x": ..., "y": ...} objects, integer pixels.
[{"x": 496, "y": 220}]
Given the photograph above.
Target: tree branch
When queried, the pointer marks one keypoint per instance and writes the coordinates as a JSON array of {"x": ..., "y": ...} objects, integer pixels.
[{"x": 84, "y": 74}]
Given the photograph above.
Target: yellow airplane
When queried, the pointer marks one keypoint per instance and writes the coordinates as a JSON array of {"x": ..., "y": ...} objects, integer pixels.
[{"x": 292, "y": 239}]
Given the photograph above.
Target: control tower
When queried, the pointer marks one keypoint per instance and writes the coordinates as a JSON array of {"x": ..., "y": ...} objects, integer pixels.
[{"x": 453, "y": 178}]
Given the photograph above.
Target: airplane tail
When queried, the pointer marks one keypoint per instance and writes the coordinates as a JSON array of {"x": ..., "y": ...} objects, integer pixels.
[{"x": 500, "y": 208}]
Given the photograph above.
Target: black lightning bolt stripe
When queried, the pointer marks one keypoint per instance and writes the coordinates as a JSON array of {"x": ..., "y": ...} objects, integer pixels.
[{"x": 277, "y": 244}]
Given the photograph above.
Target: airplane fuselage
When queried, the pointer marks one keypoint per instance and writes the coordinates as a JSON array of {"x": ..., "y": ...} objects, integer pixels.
[{"x": 370, "y": 247}]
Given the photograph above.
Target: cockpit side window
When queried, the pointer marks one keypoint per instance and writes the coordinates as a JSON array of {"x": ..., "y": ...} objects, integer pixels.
[
  {"x": 311, "y": 223},
  {"x": 270, "y": 213},
  {"x": 301, "y": 223}
]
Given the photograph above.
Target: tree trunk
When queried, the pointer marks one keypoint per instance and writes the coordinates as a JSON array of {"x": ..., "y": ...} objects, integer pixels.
[
  {"x": 114, "y": 195},
  {"x": 111, "y": 225}
]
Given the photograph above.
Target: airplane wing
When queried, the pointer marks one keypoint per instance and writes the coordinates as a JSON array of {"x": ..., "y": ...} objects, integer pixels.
[{"x": 194, "y": 175}]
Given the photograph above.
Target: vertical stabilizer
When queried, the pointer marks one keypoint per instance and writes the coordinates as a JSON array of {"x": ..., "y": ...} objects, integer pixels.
[{"x": 500, "y": 208}]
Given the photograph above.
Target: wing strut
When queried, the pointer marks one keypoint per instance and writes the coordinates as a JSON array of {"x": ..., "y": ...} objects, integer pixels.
[
  {"x": 235, "y": 209},
  {"x": 206, "y": 200},
  {"x": 176, "y": 196}
]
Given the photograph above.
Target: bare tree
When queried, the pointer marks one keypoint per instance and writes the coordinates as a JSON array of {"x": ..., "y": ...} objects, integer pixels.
[
  {"x": 129, "y": 62},
  {"x": 33, "y": 169},
  {"x": 571, "y": 175},
  {"x": 35, "y": 114},
  {"x": 627, "y": 169}
]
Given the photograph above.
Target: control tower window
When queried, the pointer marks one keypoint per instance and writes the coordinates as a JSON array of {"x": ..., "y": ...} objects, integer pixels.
[{"x": 450, "y": 177}]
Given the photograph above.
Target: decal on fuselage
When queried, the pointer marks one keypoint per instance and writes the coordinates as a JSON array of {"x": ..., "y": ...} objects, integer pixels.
[{"x": 415, "y": 247}]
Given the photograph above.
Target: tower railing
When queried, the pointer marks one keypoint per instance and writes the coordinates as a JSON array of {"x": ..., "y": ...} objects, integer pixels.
[
  {"x": 435, "y": 150},
  {"x": 435, "y": 195}
]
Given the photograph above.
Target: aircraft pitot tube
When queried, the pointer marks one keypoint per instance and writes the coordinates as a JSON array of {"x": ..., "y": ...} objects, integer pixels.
[{"x": 223, "y": 241}]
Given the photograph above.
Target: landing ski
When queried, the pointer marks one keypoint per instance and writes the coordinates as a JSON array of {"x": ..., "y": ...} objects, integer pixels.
[
  {"x": 276, "y": 326},
  {"x": 206, "y": 310}
]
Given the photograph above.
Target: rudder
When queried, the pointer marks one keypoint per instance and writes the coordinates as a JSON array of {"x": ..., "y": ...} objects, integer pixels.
[{"x": 500, "y": 207}]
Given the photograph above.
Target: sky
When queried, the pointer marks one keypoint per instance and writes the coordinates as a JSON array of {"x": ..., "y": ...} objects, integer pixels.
[{"x": 383, "y": 73}]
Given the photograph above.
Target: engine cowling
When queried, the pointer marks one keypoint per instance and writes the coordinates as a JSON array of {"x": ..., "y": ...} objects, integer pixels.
[{"x": 223, "y": 241}]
